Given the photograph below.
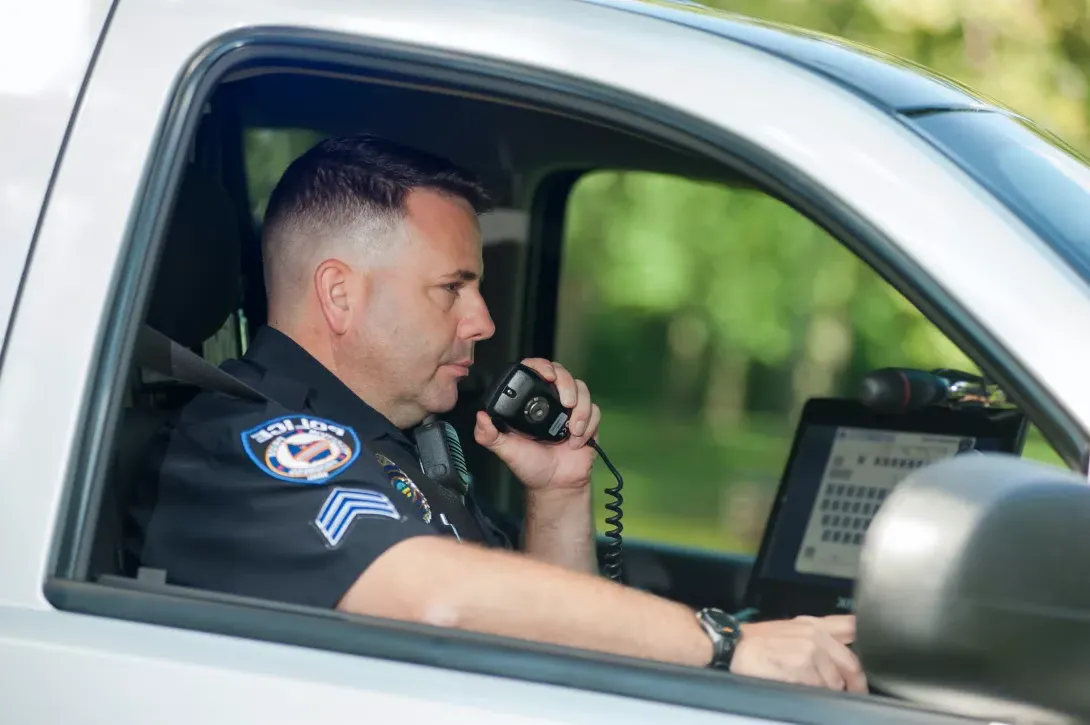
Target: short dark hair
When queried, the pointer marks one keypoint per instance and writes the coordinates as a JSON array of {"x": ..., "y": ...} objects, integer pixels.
[
  {"x": 350, "y": 188},
  {"x": 342, "y": 176}
]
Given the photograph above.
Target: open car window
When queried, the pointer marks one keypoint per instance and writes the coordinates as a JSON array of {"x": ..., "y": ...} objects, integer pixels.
[
  {"x": 267, "y": 152},
  {"x": 703, "y": 317}
]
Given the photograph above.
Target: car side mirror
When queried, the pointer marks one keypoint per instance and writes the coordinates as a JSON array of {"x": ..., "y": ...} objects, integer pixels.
[{"x": 974, "y": 590}]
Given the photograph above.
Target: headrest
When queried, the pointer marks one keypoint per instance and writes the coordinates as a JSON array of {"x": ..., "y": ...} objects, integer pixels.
[{"x": 197, "y": 285}]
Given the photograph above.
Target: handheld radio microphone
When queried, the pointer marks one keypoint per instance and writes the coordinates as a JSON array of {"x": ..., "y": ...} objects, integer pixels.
[{"x": 523, "y": 401}]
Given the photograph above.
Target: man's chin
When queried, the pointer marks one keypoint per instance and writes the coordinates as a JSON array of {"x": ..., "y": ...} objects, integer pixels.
[{"x": 443, "y": 401}]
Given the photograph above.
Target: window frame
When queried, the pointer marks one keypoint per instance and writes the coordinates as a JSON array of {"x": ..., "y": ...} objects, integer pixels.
[{"x": 65, "y": 587}]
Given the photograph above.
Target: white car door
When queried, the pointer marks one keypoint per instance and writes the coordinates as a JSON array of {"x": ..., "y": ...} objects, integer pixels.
[
  {"x": 147, "y": 86},
  {"x": 45, "y": 50}
]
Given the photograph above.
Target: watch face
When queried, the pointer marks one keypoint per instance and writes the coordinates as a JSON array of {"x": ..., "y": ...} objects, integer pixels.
[
  {"x": 723, "y": 622},
  {"x": 725, "y": 631}
]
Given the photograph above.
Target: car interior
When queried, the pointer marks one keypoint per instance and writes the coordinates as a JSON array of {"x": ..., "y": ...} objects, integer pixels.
[{"x": 207, "y": 293}]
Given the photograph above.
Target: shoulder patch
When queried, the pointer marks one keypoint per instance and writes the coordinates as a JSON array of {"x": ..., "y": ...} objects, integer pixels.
[
  {"x": 404, "y": 485},
  {"x": 345, "y": 505},
  {"x": 301, "y": 449}
]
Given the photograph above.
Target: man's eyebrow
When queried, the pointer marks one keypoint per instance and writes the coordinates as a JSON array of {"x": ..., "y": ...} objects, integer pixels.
[{"x": 463, "y": 275}]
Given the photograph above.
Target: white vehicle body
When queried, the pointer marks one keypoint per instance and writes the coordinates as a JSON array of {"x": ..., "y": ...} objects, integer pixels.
[{"x": 79, "y": 159}]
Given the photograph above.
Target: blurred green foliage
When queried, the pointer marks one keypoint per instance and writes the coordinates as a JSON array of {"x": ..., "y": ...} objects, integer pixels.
[{"x": 703, "y": 317}]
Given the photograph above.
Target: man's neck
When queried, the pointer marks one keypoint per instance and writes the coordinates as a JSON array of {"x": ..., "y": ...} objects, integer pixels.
[{"x": 322, "y": 349}]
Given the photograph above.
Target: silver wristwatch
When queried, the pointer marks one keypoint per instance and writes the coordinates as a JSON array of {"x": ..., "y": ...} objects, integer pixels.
[{"x": 724, "y": 631}]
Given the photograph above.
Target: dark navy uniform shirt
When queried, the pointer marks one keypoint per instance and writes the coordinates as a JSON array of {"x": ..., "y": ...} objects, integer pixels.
[{"x": 290, "y": 500}]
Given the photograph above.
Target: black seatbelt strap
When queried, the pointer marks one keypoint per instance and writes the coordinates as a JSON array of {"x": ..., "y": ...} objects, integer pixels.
[{"x": 157, "y": 352}]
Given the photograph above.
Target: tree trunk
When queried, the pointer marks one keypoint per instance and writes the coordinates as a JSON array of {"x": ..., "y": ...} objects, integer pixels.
[
  {"x": 687, "y": 345},
  {"x": 826, "y": 351},
  {"x": 725, "y": 397}
]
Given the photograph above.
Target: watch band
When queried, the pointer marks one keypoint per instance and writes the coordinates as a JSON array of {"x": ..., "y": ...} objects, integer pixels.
[{"x": 724, "y": 631}]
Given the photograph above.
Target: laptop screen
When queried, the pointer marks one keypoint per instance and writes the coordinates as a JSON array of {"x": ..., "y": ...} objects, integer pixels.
[{"x": 844, "y": 462}]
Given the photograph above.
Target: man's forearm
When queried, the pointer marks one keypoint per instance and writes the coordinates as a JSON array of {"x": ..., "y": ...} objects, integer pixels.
[
  {"x": 560, "y": 528},
  {"x": 440, "y": 582}
]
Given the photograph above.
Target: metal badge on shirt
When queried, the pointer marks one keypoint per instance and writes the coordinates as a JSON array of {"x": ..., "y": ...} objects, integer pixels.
[
  {"x": 403, "y": 484},
  {"x": 301, "y": 449}
]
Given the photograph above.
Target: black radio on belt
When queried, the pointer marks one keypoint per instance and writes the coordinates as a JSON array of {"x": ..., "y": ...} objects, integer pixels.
[{"x": 522, "y": 400}]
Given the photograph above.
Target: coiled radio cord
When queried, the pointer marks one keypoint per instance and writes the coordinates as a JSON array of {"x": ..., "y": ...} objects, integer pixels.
[{"x": 614, "y": 564}]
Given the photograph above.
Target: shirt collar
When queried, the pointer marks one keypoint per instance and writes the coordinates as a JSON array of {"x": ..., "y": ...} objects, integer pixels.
[{"x": 328, "y": 395}]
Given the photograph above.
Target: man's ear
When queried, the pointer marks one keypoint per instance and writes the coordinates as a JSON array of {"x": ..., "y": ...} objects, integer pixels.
[{"x": 338, "y": 297}]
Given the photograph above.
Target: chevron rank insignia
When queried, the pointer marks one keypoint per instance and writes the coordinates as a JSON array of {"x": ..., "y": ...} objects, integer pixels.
[{"x": 345, "y": 505}]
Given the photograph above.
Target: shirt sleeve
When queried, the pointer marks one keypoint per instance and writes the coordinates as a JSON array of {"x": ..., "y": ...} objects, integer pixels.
[{"x": 272, "y": 504}]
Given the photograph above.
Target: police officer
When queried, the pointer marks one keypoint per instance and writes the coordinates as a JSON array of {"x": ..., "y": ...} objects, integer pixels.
[{"x": 372, "y": 255}]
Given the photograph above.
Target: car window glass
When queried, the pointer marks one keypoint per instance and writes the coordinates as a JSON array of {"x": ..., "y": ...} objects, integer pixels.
[
  {"x": 702, "y": 317},
  {"x": 226, "y": 344},
  {"x": 268, "y": 152},
  {"x": 1044, "y": 181}
]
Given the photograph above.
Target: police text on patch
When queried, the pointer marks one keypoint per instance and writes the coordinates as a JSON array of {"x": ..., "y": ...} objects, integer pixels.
[{"x": 286, "y": 425}]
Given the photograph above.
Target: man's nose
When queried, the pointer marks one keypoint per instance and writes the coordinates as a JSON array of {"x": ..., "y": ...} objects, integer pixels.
[{"x": 477, "y": 325}]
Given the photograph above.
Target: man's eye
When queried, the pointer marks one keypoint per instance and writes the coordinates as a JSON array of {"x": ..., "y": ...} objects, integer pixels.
[{"x": 453, "y": 287}]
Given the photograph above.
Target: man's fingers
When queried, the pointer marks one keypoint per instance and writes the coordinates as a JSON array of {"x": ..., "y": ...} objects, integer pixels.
[
  {"x": 485, "y": 432},
  {"x": 565, "y": 386},
  {"x": 847, "y": 664},
  {"x": 542, "y": 367},
  {"x": 827, "y": 670},
  {"x": 580, "y": 416},
  {"x": 840, "y": 626},
  {"x": 854, "y": 676},
  {"x": 593, "y": 423}
]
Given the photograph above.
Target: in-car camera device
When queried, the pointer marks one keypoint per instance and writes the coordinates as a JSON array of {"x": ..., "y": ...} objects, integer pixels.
[
  {"x": 524, "y": 402},
  {"x": 903, "y": 390}
]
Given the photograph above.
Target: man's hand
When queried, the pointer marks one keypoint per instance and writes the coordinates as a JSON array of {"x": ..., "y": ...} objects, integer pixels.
[
  {"x": 544, "y": 466},
  {"x": 805, "y": 650}
]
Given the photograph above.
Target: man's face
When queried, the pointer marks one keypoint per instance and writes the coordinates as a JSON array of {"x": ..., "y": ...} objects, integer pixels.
[{"x": 423, "y": 311}]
